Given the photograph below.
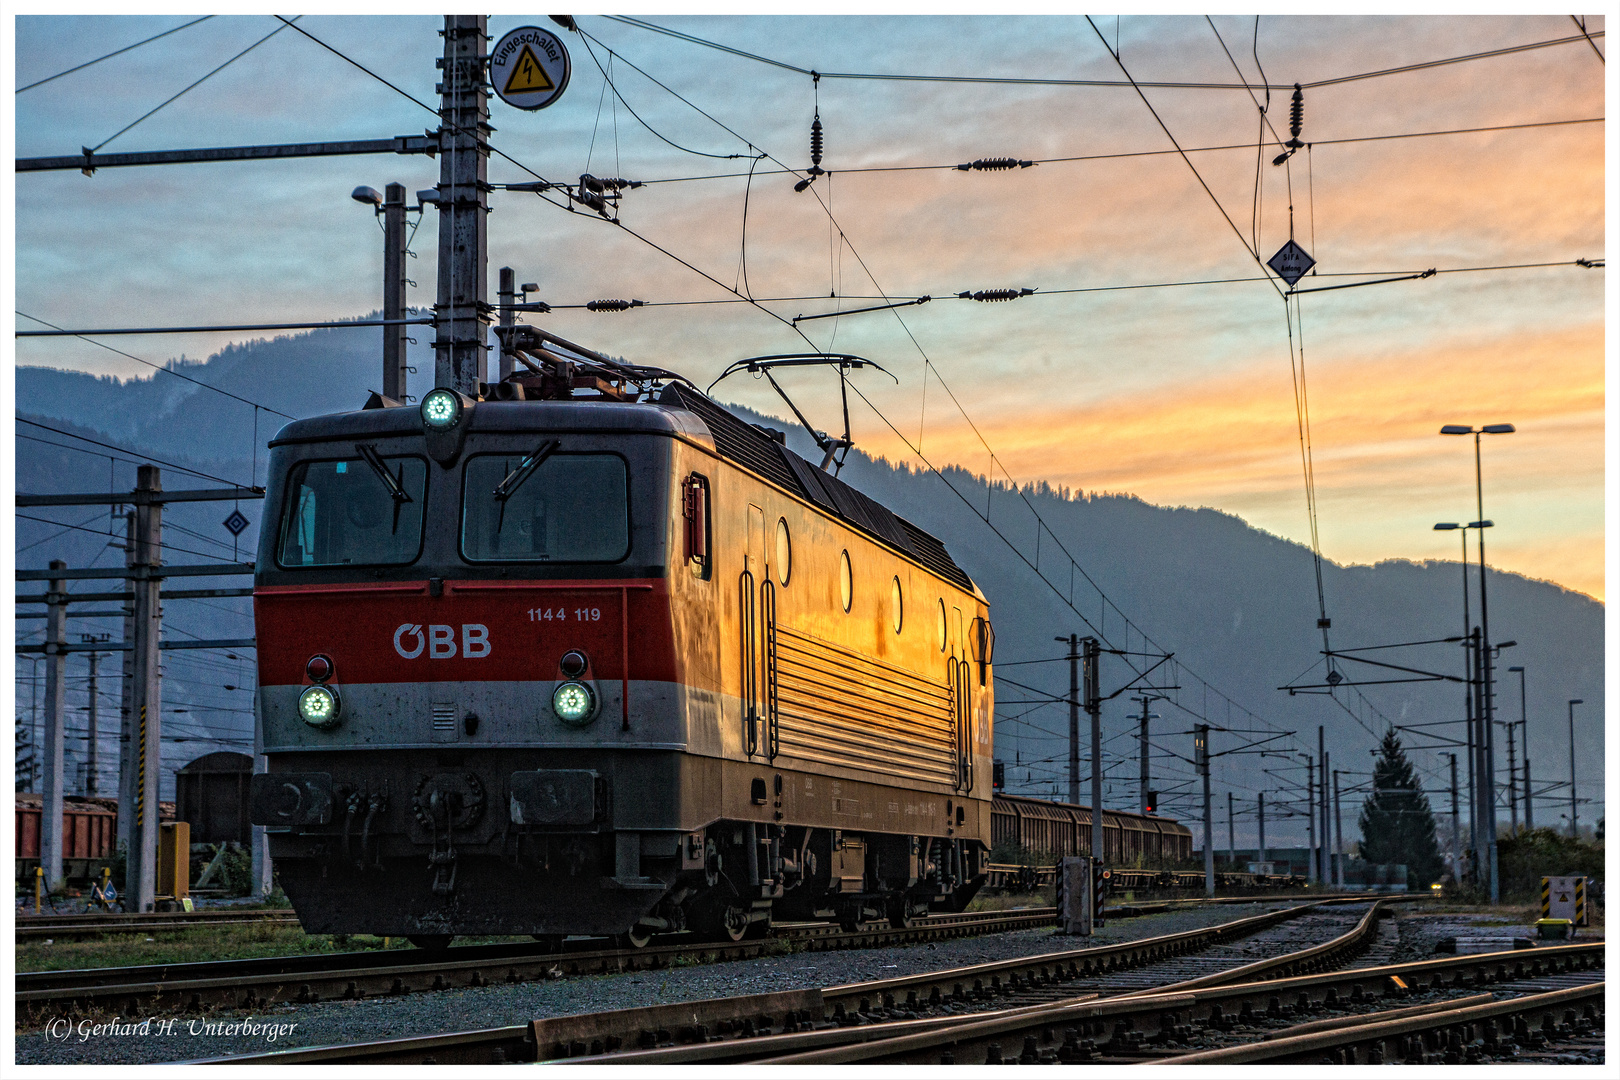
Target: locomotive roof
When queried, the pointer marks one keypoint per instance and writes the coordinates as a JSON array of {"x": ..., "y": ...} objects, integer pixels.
[{"x": 679, "y": 410}]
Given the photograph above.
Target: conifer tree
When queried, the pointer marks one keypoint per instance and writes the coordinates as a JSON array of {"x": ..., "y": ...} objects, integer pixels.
[{"x": 1397, "y": 825}]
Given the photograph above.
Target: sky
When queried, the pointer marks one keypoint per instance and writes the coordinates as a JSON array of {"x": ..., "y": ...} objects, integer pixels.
[{"x": 1183, "y": 395}]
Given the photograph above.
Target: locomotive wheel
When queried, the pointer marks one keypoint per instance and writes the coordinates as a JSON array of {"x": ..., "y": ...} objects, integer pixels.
[
  {"x": 430, "y": 942},
  {"x": 901, "y": 915},
  {"x": 849, "y": 918},
  {"x": 637, "y": 937},
  {"x": 729, "y": 923}
]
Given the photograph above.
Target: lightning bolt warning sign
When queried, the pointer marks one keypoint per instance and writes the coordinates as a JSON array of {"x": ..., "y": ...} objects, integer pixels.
[{"x": 529, "y": 68}]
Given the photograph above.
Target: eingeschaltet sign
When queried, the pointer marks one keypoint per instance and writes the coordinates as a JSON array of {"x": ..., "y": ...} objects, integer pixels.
[{"x": 529, "y": 68}]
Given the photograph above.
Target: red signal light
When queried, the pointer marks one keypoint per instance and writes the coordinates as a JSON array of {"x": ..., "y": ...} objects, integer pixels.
[{"x": 319, "y": 668}]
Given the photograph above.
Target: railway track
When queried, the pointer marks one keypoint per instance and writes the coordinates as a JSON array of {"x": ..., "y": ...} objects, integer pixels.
[
  {"x": 66, "y": 927},
  {"x": 1164, "y": 1026},
  {"x": 736, "y": 1021},
  {"x": 257, "y": 983}
]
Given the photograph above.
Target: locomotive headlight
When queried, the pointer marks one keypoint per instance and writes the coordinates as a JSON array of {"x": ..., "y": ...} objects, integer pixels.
[
  {"x": 441, "y": 410},
  {"x": 574, "y": 703},
  {"x": 318, "y": 706}
]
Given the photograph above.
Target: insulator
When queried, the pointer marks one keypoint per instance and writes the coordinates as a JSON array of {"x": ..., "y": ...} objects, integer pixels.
[
  {"x": 990, "y": 296},
  {"x": 815, "y": 140},
  {"x": 588, "y": 182},
  {"x": 994, "y": 164},
  {"x": 614, "y": 305},
  {"x": 616, "y": 183},
  {"x": 1296, "y": 116}
]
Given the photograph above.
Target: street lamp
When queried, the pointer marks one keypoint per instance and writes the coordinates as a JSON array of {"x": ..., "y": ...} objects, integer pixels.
[
  {"x": 1487, "y": 781},
  {"x": 1574, "y": 833},
  {"x": 391, "y": 208}
]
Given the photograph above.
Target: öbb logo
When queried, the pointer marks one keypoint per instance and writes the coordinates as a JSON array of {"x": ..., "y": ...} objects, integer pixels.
[{"x": 440, "y": 641}]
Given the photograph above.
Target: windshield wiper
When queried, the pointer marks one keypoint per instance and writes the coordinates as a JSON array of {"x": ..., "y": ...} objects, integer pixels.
[
  {"x": 396, "y": 489},
  {"x": 514, "y": 480}
]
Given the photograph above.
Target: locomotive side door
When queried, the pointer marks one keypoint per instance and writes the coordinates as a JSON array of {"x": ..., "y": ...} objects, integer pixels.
[{"x": 748, "y": 588}]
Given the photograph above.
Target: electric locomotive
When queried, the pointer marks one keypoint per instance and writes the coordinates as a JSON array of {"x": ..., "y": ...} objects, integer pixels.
[{"x": 590, "y": 655}]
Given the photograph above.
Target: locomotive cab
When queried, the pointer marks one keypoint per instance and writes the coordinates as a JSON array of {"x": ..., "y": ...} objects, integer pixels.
[{"x": 542, "y": 667}]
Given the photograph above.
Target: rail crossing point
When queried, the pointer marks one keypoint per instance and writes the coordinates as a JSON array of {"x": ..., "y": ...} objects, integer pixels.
[
  {"x": 237, "y": 522},
  {"x": 529, "y": 68},
  {"x": 1291, "y": 262}
]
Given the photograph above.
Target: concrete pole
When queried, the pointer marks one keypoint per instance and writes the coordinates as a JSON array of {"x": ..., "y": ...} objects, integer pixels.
[
  {"x": 1231, "y": 834},
  {"x": 126, "y": 701},
  {"x": 1575, "y": 831},
  {"x": 1074, "y": 726},
  {"x": 1529, "y": 812},
  {"x": 1488, "y": 710},
  {"x": 259, "y": 840},
  {"x": 1325, "y": 869},
  {"x": 463, "y": 308},
  {"x": 1094, "y": 707},
  {"x": 507, "y": 295},
  {"x": 1513, "y": 784},
  {"x": 50, "y": 817},
  {"x": 394, "y": 365},
  {"x": 92, "y": 748},
  {"x": 1456, "y": 826},
  {"x": 1338, "y": 834},
  {"x": 1310, "y": 818},
  {"x": 1201, "y": 757},
  {"x": 1260, "y": 813},
  {"x": 1142, "y": 752},
  {"x": 148, "y": 696}
]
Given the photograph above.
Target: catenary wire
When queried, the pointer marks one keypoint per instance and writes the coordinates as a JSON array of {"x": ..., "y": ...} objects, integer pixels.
[
  {"x": 109, "y": 56},
  {"x": 642, "y": 24}
]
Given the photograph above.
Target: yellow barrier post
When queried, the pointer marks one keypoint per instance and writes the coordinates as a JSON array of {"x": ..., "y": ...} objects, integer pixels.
[{"x": 39, "y": 887}]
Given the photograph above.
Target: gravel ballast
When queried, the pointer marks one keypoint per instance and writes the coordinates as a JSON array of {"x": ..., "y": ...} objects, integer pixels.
[{"x": 178, "y": 1036}]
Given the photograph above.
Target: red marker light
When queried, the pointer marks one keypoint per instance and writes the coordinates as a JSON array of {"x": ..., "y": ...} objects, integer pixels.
[{"x": 319, "y": 667}]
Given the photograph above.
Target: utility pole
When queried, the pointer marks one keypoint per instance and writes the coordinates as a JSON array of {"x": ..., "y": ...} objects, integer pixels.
[
  {"x": 1325, "y": 875},
  {"x": 1575, "y": 833},
  {"x": 1513, "y": 783},
  {"x": 1201, "y": 759},
  {"x": 507, "y": 296},
  {"x": 1529, "y": 813},
  {"x": 1143, "y": 750},
  {"x": 147, "y": 702},
  {"x": 1456, "y": 836},
  {"x": 1073, "y": 641},
  {"x": 1231, "y": 835},
  {"x": 1327, "y": 826},
  {"x": 50, "y": 817},
  {"x": 1260, "y": 813},
  {"x": 1310, "y": 818},
  {"x": 394, "y": 368},
  {"x": 126, "y": 702},
  {"x": 1092, "y": 656},
  {"x": 462, "y": 310},
  {"x": 1338, "y": 834},
  {"x": 92, "y": 748},
  {"x": 1487, "y": 710}
]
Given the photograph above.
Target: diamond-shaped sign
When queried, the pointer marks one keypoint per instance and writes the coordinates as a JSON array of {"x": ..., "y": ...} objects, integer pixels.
[
  {"x": 1291, "y": 262},
  {"x": 236, "y": 523}
]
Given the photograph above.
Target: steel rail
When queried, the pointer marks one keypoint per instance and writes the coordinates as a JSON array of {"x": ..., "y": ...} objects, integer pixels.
[
  {"x": 595, "y": 1034},
  {"x": 752, "y": 1027},
  {"x": 310, "y": 978},
  {"x": 1366, "y": 1042},
  {"x": 1314, "y": 958},
  {"x": 79, "y": 926},
  {"x": 1142, "y": 1021}
]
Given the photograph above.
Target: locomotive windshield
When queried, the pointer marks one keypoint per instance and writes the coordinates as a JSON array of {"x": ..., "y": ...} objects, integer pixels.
[
  {"x": 545, "y": 507},
  {"x": 363, "y": 511}
]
